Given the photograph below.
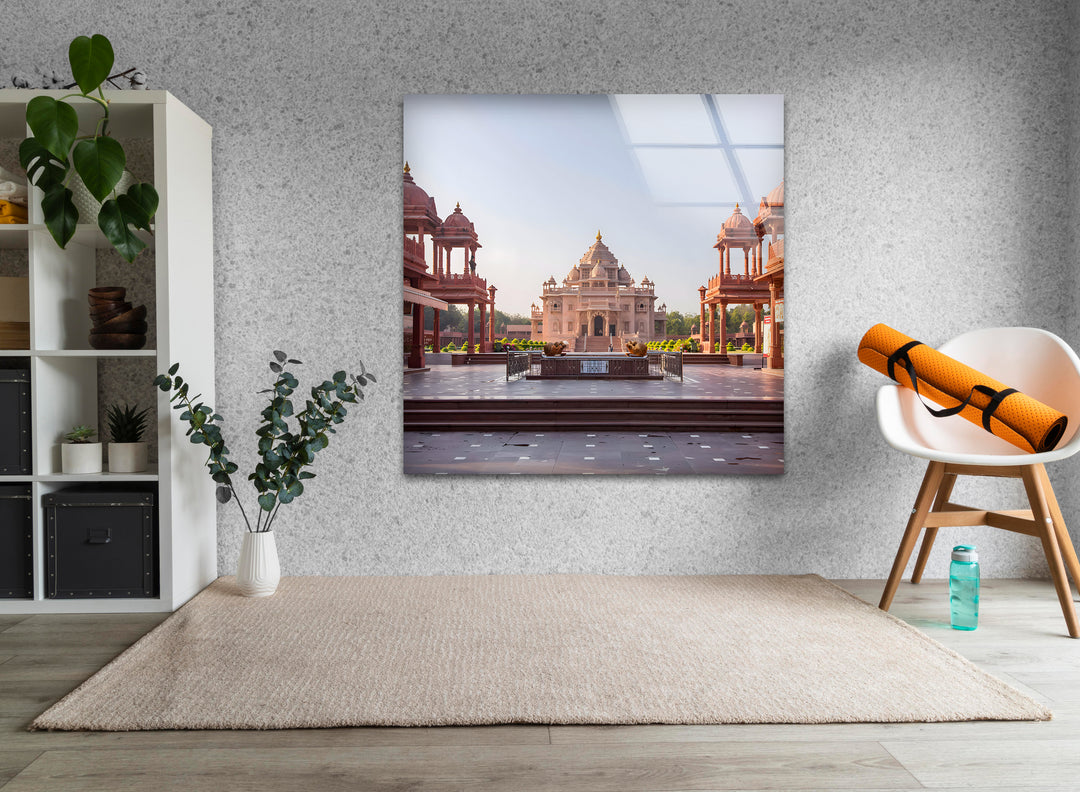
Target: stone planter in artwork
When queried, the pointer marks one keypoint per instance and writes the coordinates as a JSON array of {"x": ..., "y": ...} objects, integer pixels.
[{"x": 258, "y": 572}]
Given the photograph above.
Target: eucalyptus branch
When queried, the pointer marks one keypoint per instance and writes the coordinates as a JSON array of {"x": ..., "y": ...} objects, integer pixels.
[{"x": 284, "y": 452}]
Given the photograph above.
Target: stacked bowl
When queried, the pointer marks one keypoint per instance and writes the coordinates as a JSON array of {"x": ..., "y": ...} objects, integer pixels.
[{"x": 116, "y": 325}]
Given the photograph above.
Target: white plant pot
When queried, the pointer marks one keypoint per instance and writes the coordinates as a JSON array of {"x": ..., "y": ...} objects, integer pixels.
[
  {"x": 127, "y": 457},
  {"x": 259, "y": 572},
  {"x": 80, "y": 458}
]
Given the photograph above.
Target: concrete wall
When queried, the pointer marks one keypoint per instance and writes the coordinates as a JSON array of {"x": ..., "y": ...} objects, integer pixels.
[{"x": 929, "y": 148}]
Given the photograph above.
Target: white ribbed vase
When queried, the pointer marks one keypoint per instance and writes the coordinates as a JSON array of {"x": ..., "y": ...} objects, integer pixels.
[{"x": 259, "y": 572}]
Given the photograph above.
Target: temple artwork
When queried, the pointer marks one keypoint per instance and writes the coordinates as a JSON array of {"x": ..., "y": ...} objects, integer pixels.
[
  {"x": 636, "y": 245},
  {"x": 598, "y": 305}
]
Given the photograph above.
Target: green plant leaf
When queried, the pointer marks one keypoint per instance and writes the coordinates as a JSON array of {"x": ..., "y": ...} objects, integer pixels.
[
  {"x": 100, "y": 162},
  {"x": 41, "y": 166},
  {"x": 61, "y": 216},
  {"x": 54, "y": 124},
  {"x": 139, "y": 204},
  {"x": 91, "y": 60},
  {"x": 175, "y": 368},
  {"x": 114, "y": 224},
  {"x": 266, "y": 500}
]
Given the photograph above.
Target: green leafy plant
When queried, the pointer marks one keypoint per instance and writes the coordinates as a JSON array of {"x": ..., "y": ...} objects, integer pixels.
[
  {"x": 284, "y": 450},
  {"x": 81, "y": 435},
  {"x": 127, "y": 424},
  {"x": 56, "y": 150}
]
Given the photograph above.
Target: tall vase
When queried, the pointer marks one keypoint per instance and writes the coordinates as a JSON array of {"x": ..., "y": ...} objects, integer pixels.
[{"x": 259, "y": 572}]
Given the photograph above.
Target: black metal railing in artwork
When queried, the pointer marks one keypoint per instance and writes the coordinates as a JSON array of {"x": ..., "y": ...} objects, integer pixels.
[
  {"x": 671, "y": 365},
  {"x": 517, "y": 364}
]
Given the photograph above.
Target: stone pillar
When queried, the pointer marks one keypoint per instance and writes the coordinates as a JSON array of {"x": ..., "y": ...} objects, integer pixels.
[
  {"x": 712, "y": 328},
  {"x": 436, "y": 344},
  {"x": 416, "y": 352},
  {"x": 747, "y": 256},
  {"x": 701, "y": 325},
  {"x": 491, "y": 328},
  {"x": 471, "y": 335},
  {"x": 757, "y": 327},
  {"x": 483, "y": 327},
  {"x": 721, "y": 322},
  {"x": 776, "y": 360}
]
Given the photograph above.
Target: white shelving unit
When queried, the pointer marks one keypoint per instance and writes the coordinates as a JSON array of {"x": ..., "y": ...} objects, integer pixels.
[{"x": 64, "y": 369}]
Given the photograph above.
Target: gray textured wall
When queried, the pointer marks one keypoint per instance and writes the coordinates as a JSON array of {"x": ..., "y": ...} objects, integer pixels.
[{"x": 928, "y": 153}]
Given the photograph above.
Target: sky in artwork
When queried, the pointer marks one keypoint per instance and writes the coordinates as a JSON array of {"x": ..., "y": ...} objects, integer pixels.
[{"x": 539, "y": 175}]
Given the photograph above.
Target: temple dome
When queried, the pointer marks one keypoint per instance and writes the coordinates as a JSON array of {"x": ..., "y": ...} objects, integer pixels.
[
  {"x": 776, "y": 197},
  {"x": 575, "y": 274},
  {"x": 624, "y": 276},
  {"x": 738, "y": 221},
  {"x": 457, "y": 219},
  {"x": 415, "y": 194},
  {"x": 598, "y": 272}
]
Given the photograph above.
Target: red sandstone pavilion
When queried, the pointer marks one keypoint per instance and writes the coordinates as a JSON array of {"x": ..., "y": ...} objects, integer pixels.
[
  {"x": 441, "y": 286},
  {"x": 757, "y": 285}
]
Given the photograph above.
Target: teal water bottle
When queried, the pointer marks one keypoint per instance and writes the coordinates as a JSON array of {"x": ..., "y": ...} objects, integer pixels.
[{"x": 964, "y": 587}]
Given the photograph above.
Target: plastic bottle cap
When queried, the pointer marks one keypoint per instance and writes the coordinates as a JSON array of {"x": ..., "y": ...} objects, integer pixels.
[{"x": 965, "y": 553}]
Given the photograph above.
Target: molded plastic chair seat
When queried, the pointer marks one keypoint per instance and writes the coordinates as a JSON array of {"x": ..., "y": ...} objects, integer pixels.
[{"x": 1033, "y": 361}]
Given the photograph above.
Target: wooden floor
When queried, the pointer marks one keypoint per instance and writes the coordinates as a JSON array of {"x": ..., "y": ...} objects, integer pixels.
[{"x": 1020, "y": 638}]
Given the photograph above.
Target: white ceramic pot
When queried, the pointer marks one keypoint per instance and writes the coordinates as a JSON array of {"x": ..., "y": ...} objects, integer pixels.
[
  {"x": 127, "y": 457},
  {"x": 89, "y": 207},
  {"x": 259, "y": 572},
  {"x": 80, "y": 458}
]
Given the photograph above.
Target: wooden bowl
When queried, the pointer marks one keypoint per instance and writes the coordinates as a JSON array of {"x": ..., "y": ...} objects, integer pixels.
[
  {"x": 107, "y": 293},
  {"x": 124, "y": 328},
  {"x": 116, "y": 323},
  {"x": 99, "y": 315},
  {"x": 117, "y": 340}
]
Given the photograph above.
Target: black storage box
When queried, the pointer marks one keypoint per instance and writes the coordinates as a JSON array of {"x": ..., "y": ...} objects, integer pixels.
[
  {"x": 101, "y": 543},
  {"x": 16, "y": 542},
  {"x": 14, "y": 422}
]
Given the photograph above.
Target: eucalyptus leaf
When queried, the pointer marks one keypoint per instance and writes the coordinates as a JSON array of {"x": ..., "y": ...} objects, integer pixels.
[
  {"x": 55, "y": 124},
  {"x": 91, "y": 59},
  {"x": 224, "y": 494},
  {"x": 100, "y": 162}
]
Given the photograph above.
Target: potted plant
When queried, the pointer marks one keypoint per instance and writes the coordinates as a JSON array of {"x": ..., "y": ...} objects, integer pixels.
[
  {"x": 127, "y": 451},
  {"x": 80, "y": 454},
  {"x": 56, "y": 153},
  {"x": 288, "y": 440}
]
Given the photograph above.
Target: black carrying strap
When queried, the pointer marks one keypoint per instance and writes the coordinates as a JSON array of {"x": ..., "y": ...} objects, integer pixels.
[{"x": 900, "y": 356}]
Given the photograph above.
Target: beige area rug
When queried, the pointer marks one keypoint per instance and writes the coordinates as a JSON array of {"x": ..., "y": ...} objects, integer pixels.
[{"x": 411, "y": 651}]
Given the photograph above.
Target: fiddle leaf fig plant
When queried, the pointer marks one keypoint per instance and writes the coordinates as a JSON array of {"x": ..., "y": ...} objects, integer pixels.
[
  {"x": 288, "y": 438},
  {"x": 56, "y": 152}
]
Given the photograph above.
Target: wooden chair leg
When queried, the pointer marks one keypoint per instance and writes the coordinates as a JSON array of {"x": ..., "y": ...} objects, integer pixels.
[
  {"x": 935, "y": 471},
  {"x": 943, "y": 493},
  {"x": 1040, "y": 511},
  {"x": 1065, "y": 543}
]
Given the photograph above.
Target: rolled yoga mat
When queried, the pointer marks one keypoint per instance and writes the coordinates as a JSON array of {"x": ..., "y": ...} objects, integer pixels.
[{"x": 1025, "y": 422}]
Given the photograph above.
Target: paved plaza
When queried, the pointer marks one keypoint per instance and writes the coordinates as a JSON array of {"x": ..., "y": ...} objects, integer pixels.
[
  {"x": 593, "y": 452},
  {"x": 590, "y": 453},
  {"x": 487, "y": 381}
]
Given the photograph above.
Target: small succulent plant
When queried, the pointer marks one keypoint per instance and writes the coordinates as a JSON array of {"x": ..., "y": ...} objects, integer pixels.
[
  {"x": 127, "y": 424},
  {"x": 81, "y": 434}
]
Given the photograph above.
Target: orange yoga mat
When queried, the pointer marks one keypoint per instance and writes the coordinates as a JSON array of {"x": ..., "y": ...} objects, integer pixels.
[{"x": 961, "y": 390}]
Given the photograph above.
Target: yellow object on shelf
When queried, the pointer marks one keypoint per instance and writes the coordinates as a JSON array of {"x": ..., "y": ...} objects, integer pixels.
[{"x": 8, "y": 209}]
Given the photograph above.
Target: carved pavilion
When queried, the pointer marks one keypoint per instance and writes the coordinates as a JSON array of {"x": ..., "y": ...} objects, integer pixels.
[
  {"x": 440, "y": 286},
  {"x": 598, "y": 305},
  {"x": 757, "y": 285}
]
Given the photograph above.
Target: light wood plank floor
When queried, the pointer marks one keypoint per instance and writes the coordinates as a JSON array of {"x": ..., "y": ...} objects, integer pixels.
[{"x": 1021, "y": 638}]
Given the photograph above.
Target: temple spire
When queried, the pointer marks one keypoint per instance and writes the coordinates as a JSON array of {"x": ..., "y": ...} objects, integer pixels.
[
  {"x": 406, "y": 166},
  {"x": 598, "y": 235}
]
